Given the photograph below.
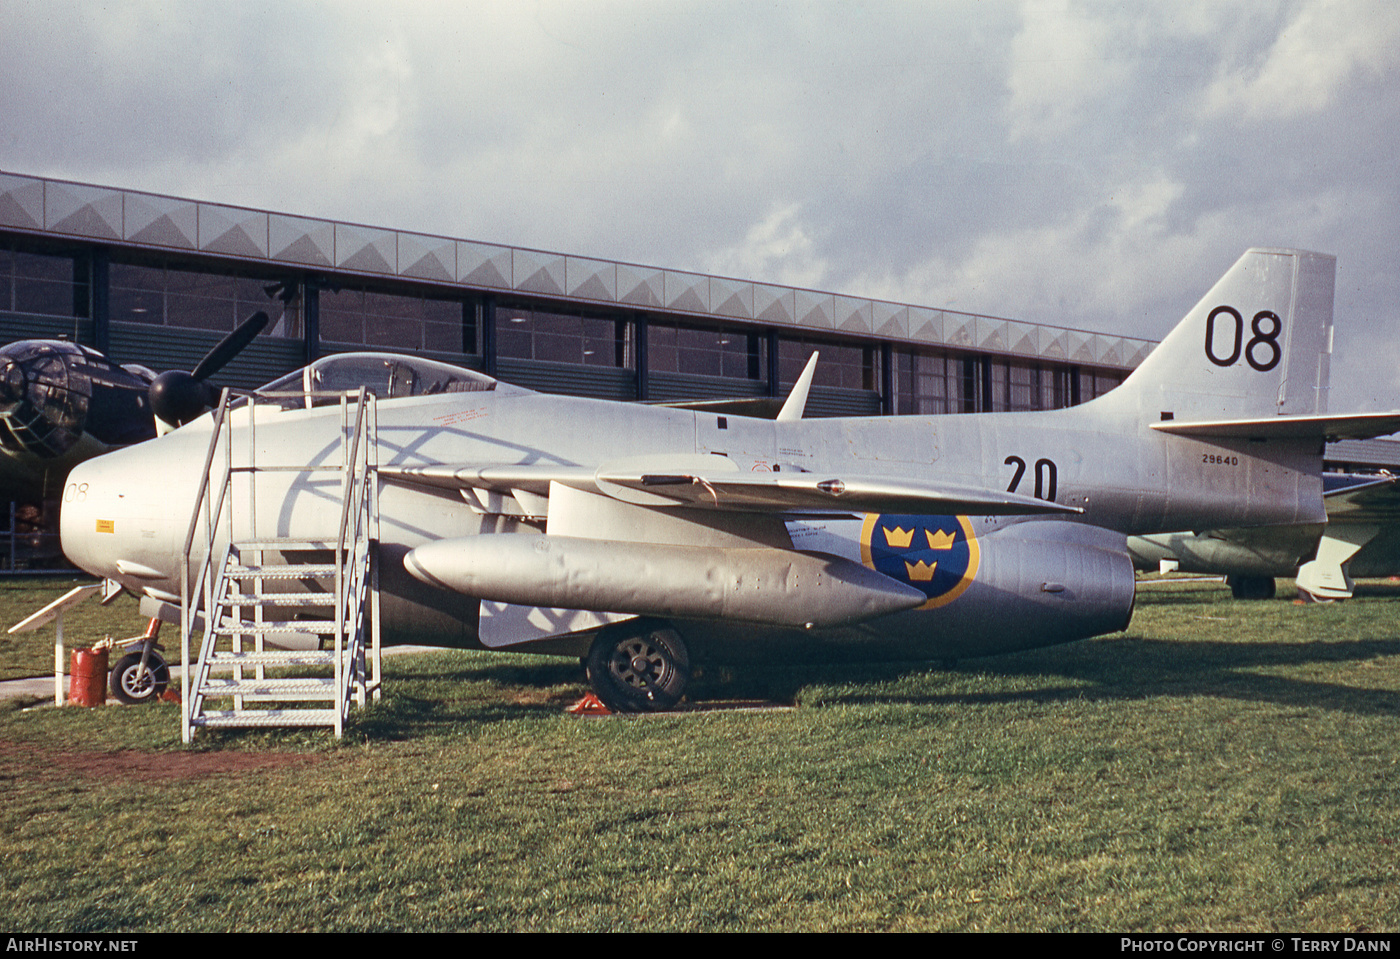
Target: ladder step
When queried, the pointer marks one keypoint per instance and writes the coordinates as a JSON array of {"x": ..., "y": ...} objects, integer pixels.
[
  {"x": 282, "y": 545},
  {"x": 280, "y": 599},
  {"x": 281, "y": 571},
  {"x": 230, "y": 718},
  {"x": 273, "y": 657},
  {"x": 311, "y": 627},
  {"x": 301, "y": 687}
]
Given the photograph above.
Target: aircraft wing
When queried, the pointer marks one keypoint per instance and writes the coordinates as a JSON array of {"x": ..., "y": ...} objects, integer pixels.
[
  {"x": 783, "y": 492},
  {"x": 1355, "y": 426},
  {"x": 654, "y": 484},
  {"x": 500, "y": 477}
]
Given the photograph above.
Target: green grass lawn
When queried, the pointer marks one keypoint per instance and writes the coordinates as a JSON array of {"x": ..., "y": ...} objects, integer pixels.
[
  {"x": 1221, "y": 766},
  {"x": 31, "y": 654}
]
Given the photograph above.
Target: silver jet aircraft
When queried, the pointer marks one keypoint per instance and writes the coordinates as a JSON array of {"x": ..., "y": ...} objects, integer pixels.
[{"x": 647, "y": 538}]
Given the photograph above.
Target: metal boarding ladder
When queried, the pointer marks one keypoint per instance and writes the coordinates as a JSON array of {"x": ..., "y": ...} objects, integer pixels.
[{"x": 252, "y": 596}]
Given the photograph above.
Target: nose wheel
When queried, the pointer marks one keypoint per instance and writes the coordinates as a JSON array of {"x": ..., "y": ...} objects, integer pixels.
[
  {"x": 638, "y": 666},
  {"x": 130, "y": 689}
]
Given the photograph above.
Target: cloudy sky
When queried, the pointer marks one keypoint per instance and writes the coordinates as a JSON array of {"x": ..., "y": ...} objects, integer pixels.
[{"x": 1088, "y": 164}]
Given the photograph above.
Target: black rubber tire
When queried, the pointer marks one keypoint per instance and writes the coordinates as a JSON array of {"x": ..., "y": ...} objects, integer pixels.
[
  {"x": 639, "y": 666},
  {"x": 1251, "y": 587},
  {"x": 153, "y": 685}
]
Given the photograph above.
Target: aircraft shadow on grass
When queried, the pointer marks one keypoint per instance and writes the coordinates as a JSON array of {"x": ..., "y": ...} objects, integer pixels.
[
  {"x": 1107, "y": 670},
  {"x": 1134, "y": 668}
]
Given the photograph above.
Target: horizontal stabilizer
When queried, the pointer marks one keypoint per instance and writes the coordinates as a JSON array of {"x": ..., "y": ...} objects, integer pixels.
[
  {"x": 1364, "y": 499},
  {"x": 1356, "y": 426}
]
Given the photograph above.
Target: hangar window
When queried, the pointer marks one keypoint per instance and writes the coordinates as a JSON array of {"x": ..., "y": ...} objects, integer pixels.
[
  {"x": 1022, "y": 386},
  {"x": 377, "y": 318},
  {"x": 706, "y": 351},
  {"x": 843, "y": 366},
  {"x": 1055, "y": 390},
  {"x": 927, "y": 383},
  {"x": 1019, "y": 386},
  {"x": 42, "y": 284},
  {"x": 1095, "y": 383},
  {"x": 575, "y": 338},
  {"x": 155, "y": 293}
]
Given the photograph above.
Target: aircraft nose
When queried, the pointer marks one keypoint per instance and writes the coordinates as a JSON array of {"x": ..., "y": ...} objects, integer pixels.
[
  {"x": 87, "y": 539},
  {"x": 114, "y": 522}
]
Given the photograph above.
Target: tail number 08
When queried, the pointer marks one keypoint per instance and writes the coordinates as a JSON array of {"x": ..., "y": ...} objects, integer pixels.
[{"x": 1266, "y": 327}]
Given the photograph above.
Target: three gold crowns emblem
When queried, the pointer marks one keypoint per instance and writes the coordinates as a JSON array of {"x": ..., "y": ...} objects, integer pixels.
[{"x": 920, "y": 572}]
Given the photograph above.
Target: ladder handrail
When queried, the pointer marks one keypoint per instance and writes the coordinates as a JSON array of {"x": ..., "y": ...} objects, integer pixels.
[
  {"x": 354, "y": 486},
  {"x": 200, "y": 506}
]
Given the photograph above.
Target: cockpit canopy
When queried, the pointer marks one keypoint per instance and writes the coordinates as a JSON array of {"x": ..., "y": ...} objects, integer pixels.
[{"x": 385, "y": 375}]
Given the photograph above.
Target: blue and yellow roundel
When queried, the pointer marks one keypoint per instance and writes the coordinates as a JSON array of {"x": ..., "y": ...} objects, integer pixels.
[{"x": 936, "y": 554}]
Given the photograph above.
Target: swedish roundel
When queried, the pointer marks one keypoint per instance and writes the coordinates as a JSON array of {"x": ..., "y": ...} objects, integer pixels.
[{"x": 935, "y": 554}]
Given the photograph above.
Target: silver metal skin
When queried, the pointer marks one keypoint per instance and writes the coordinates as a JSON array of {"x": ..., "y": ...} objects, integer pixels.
[
  {"x": 1361, "y": 538},
  {"x": 516, "y": 520}
]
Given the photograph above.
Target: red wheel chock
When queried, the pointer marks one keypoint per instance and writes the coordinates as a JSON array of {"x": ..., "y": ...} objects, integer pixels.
[{"x": 590, "y": 705}]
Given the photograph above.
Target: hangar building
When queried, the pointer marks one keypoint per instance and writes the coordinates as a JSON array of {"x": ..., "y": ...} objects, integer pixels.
[{"x": 158, "y": 280}]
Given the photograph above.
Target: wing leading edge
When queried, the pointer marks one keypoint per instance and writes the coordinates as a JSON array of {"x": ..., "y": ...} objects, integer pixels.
[{"x": 654, "y": 484}]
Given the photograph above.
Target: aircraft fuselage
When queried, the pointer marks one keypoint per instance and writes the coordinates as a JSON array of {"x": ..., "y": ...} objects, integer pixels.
[{"x": 126, "y": 514}]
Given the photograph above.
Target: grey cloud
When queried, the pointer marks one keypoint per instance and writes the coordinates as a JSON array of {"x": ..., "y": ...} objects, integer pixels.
[{"x": 1089, "y": 164}]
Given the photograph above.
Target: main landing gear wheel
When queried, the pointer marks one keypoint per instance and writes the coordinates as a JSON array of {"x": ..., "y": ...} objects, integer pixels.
[
  {"x": 1251, "y": 587},
  {"x": 125, "y": 687},
  {"x": 638, "y": 666}
]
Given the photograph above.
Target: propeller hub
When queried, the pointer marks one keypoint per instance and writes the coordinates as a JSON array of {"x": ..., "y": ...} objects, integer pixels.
[{"x": 177, "y": 397}]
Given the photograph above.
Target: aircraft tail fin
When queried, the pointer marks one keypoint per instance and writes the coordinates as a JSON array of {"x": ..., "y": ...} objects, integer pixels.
[
  {"x": 797, "y": 399},
  {"x": 1258, "y": 344}
]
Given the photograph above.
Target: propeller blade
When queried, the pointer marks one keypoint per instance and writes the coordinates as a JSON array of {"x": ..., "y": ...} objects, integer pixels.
[
  {"x": 230, "y": 346},
  {"x": 177, "y": 397}
]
